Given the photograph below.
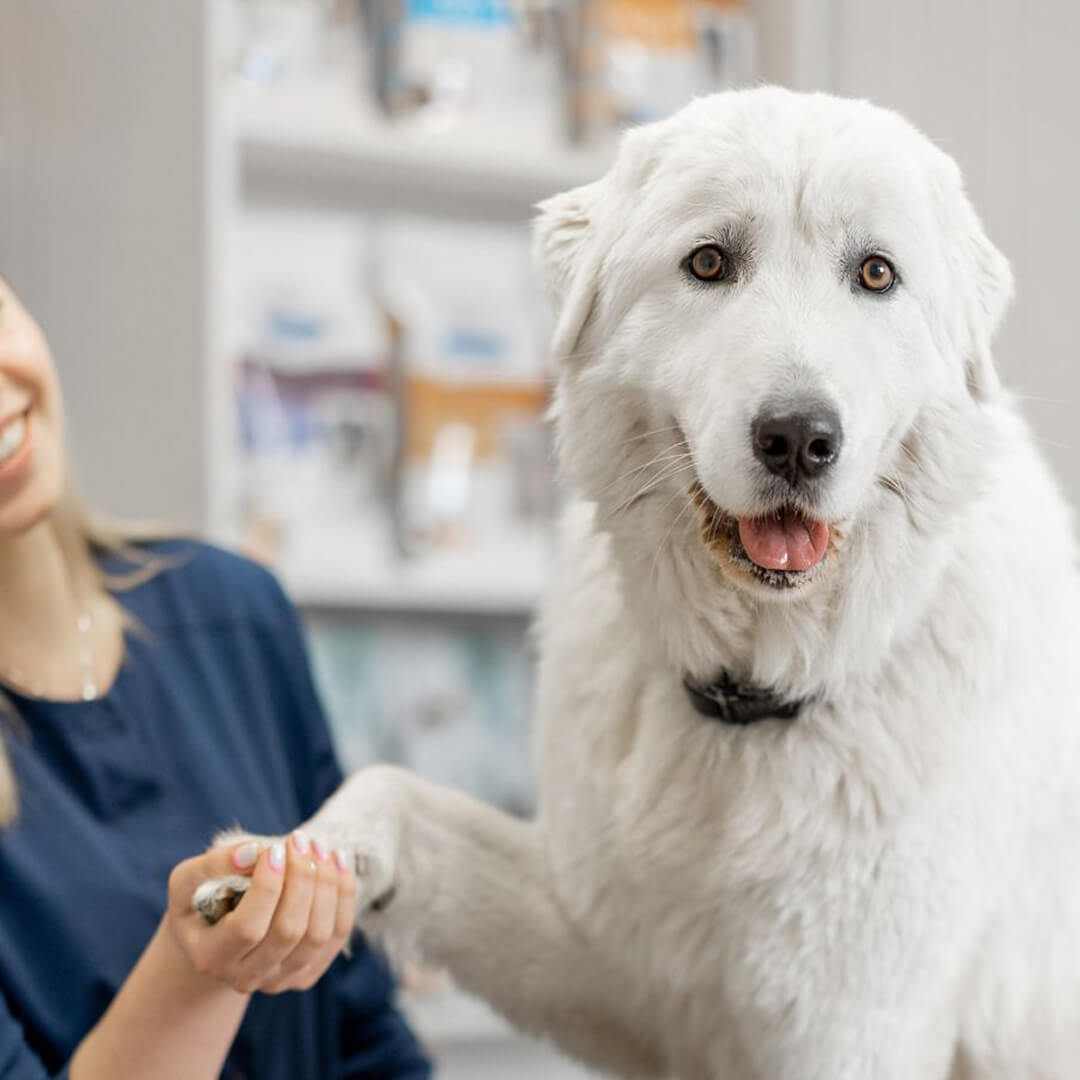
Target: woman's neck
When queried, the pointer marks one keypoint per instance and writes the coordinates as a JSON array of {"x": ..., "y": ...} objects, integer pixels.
[{"x": 42, "y": 641}]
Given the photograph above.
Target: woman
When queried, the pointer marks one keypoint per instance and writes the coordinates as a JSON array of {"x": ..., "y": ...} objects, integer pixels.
[{"x": 152, "y": 696}]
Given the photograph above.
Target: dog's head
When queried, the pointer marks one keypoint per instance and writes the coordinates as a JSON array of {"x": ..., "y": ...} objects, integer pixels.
[{"x": 757, "y": 307}]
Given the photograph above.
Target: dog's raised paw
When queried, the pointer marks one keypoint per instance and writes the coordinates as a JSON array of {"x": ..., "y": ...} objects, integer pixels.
[{"x": 215, "y": 899}]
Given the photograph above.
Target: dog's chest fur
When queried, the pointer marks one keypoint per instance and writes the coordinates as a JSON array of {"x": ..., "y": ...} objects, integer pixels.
[{"x": 728, "y": 874}]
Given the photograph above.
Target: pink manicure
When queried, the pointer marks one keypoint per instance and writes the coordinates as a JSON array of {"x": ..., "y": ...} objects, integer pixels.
[
  {"x": 277, "y": 856},
  {"x": 300, "y": 842},
  {"x": 320, "y": 850},
  {"x": 342, "y": 862},
  {"x": 246, "y": 855}
]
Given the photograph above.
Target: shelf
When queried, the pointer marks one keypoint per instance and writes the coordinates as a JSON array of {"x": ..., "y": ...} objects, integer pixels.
[
  {"x": 469, "y": 1040},
  {"x": 319, "y": 146},
  {"x": 449, "y": 1017},
  {"x": 353, "y": 569}
]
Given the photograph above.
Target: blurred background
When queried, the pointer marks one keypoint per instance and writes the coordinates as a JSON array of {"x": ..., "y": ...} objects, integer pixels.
[{"x": 280, "y": 249}]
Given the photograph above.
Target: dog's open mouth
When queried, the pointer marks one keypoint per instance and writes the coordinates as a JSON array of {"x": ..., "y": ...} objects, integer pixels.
[
  {"x": 785, "y": 540},
  {"x": 782, "y": 549}
]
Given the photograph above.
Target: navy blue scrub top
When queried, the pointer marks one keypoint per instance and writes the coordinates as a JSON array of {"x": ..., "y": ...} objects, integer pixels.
[{"x": 213, "y": 720}]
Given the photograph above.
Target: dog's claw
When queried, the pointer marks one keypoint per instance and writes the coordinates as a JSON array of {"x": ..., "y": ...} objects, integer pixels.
[{"x": 213, "y": 900}]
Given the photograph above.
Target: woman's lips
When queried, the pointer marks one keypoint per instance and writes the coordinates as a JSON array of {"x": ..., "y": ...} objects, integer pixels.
[{"x": 15, "y": 445}]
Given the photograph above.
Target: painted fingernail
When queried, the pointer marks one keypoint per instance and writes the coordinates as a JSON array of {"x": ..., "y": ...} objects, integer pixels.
[
  {"x": 342, "y": 862},
  {"x": 277, "y": 856},
  {"x": 320, "y": 850},
  {"x": 301, "y": 842},
  {"x": 245, "y": 856}
]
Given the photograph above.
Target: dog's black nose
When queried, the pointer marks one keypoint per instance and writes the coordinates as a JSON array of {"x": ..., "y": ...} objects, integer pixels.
[{"x": 797, "y": 444}]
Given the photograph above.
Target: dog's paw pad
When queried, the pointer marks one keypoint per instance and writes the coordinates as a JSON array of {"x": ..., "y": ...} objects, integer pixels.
[{"x": 215, "y": 899}]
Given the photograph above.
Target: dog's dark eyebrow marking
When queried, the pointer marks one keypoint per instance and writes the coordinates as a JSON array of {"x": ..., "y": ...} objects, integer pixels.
[
  {"x": 735, "y": 238},
  {"x": 860, "y": 244}
]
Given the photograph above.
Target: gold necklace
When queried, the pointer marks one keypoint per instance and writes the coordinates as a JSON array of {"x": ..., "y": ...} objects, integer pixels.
[{"x": 88, "y": 685}]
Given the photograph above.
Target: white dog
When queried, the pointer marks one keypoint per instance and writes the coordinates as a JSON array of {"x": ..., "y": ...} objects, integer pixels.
[{"x": 809, "y": 745}]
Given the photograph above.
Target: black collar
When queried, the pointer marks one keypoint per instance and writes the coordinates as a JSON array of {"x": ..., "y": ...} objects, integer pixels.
[{"x": 731, "y": 702}]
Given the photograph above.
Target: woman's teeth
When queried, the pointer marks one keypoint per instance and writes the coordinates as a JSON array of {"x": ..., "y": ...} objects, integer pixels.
[{"x": 11, "y": 438}]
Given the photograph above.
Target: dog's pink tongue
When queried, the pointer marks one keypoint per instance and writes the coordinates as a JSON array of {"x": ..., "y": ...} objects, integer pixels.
[{"x": 785, "y": 541}]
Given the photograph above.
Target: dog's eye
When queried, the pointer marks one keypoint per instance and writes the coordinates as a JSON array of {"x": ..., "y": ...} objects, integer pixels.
[
  {"x": 708, "y": 263},
  {"x": 876, "y": 274}
]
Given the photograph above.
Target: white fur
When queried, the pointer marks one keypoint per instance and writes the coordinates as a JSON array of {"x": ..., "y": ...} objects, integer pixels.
[{"x": 888, "y": 887}]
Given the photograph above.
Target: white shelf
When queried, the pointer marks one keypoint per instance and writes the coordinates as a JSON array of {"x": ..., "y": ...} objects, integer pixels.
[
  {"x": 320, "y": 145},
  {"x": 469, "y": 1041},
  {"x": 448, "y": 1016},
  {"x": 354, "y": 569}
]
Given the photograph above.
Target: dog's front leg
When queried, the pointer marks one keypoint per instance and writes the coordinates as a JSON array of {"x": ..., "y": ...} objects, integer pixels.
[{"x": 470, "y": 887}]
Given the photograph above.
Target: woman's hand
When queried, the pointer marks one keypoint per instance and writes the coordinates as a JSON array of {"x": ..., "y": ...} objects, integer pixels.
[{"x": 288, "y": 928}]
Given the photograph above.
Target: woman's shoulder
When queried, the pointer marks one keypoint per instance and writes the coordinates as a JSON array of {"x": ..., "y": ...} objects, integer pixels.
[{"x": 190, "y": 581}]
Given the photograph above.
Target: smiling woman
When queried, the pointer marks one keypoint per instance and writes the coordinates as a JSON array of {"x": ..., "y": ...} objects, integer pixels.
[
  {"x": 40, "y": 512},
  {"x": 121, "y": 755},
  {"x": 12, "y": 439},
  {"x": 50, "y": 544},
  {"x": 31, "y": 473}
]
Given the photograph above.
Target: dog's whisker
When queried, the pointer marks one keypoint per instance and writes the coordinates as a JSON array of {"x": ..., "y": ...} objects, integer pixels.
[
  {"x": 630, "y": 440},
  {"x": 664, "y": 458},
  {"x": 653, "y": 483},
  {"x": 646, "y": 434},
  {"x": 671, "y": 528},
  {"x": 678, "y": 492}
]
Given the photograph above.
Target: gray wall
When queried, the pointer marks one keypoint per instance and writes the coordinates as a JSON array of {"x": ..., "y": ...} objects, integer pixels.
[
  {"x": 103, "y": 177},
  {"x": 997, "y": 85}
]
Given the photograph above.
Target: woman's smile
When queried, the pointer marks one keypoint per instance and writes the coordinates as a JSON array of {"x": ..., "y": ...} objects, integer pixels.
[{"x": 15, "y": 445}]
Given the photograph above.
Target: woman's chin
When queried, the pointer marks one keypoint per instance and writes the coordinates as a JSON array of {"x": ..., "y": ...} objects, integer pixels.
[{"x": 29, "y": 508}]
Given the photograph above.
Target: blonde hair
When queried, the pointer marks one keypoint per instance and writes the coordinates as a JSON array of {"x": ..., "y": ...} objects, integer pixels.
[{"x": 84, "y": 540}]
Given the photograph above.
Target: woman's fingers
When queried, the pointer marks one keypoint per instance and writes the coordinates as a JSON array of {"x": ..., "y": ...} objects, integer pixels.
[
  {"x": 293, "y": 920},
  {"x": 333, "y": 915},
  {"x": 245, "y": 928},
  {"x": 345, "y": 918},
  {"x": 324, "y": 906},
  {"x": 289, "y": 925},
  {"x": 320, "y": 927},
  {"x": 217, "y": 950}
]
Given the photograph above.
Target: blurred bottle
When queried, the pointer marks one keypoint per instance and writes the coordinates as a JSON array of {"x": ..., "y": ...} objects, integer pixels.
[
  {"x": 446, "y": 62},
  {"x": 632, "y": 61},
  {"x": 275, "y": 40},
  {"x": 663, "y": 53}
]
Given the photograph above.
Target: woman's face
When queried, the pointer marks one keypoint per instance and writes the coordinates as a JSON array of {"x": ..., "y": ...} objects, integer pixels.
[{"x": 31, "y": 421}]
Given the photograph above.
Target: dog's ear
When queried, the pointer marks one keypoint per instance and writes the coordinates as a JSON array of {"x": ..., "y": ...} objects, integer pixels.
[
  {"x": 569, "y": 266},
  {"x": 993, "y": 289},
  {"x": 573, "y": 230},
  {"x": 985, "y": 278}
]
